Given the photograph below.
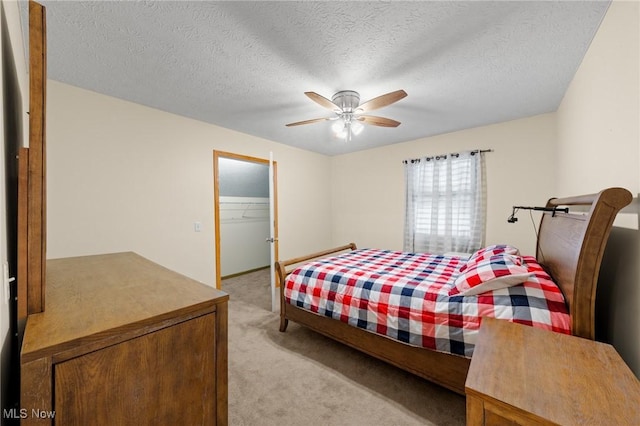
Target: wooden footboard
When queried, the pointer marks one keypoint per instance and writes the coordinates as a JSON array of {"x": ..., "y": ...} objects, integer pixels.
[
  {"x": 444, "y": 369},
  {"x": 282, "y": 272}
]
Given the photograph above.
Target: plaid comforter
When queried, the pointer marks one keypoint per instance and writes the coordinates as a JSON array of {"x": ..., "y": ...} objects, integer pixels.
[{"x": 404, "y": 296}]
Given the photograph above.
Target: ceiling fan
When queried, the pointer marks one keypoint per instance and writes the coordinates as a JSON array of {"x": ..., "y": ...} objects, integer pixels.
[{"x": 349, "y": 112}]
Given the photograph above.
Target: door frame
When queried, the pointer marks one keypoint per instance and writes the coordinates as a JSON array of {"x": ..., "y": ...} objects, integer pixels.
[{"x": 216, "y": 202}]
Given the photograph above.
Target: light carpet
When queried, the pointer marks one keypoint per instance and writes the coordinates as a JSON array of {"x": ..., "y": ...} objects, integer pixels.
[{"x": 303, "y": 378}]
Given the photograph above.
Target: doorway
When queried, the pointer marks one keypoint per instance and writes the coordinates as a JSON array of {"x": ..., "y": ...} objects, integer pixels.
[{"x": 243, "y": 241}]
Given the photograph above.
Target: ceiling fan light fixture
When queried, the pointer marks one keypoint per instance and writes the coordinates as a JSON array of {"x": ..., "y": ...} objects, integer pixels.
[
  {"x": 343, "y": 134},
  {"x": 340, "y": 129},
  {"x": 346, "y": 127},
  {"x": 347, "y": 108},
  {"x": 356, "y": 127}
]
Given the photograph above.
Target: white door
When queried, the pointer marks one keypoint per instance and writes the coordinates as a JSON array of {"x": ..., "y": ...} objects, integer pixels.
[{"x": 272, "y": 238}]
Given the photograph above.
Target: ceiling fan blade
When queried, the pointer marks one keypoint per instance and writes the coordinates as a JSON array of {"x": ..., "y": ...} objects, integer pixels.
[
  {"x": 379, "y": 121},
  {"x": 313, "y": 120},
  {"x": 322, "y": 101},
  {"x": 382, "y": 101}
]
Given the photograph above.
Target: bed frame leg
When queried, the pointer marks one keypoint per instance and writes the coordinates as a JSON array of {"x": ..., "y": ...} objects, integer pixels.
[{"x": 283, "y": 324}]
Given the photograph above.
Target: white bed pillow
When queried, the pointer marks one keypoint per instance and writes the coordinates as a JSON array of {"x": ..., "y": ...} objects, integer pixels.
[
  {"x": 489, "y": 251},
  {"x": 491, "y": 273}
]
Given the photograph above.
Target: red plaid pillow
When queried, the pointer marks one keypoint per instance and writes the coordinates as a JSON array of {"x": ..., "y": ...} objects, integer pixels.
[
  {"x": 487, "y": 252},
  {"x": 492, "y": 273}
]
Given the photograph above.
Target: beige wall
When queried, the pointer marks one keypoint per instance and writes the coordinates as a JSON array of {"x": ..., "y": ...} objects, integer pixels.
[
  {"x": 598, "y": 119},
  {"x": 368, "y": 186},
  {"x": 599, "y": 146},
  {"x": 124, "y": 177}
]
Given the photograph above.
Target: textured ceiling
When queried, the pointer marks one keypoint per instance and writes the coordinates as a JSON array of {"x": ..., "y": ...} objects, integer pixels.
[{"x": 245, "y": 65}]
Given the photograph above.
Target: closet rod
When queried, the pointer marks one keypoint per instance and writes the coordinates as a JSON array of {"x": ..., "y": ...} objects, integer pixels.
[{"x": 245, "y": 202}]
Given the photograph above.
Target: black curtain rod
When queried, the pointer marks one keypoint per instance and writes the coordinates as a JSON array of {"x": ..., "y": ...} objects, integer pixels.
[{"x": 444, "y": 156}]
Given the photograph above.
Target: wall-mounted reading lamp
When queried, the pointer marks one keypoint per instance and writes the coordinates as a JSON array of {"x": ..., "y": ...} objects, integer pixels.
[{"x": 514, "y": 219}]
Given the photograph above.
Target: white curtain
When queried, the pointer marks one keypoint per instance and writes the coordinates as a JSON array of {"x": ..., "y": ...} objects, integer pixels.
[{"x": 445, "y": 203}]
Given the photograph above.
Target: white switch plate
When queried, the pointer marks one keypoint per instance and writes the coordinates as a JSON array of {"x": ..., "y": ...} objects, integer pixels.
[
  {"x": 5, "y": 282},
  {"x": 197, "y": 226}
]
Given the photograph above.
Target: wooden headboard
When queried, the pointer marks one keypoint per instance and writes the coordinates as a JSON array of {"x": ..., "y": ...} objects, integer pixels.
[{"x": 570, "y": 246}]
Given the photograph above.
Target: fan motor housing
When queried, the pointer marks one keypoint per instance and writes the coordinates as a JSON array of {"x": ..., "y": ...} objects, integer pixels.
[{"x": 347, "y": 100}]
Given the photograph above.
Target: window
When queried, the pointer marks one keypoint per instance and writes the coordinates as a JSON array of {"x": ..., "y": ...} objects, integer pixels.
[{"x": 445, "y": 203}]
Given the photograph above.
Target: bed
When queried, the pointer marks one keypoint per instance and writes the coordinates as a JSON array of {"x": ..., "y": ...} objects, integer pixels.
[{"x": 563, "y": 275}]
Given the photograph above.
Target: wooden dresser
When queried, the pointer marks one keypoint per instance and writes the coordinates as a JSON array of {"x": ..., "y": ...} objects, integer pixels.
[
  {"x": 124, "y": 341},
  {"x": 521, "y": 375}
]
